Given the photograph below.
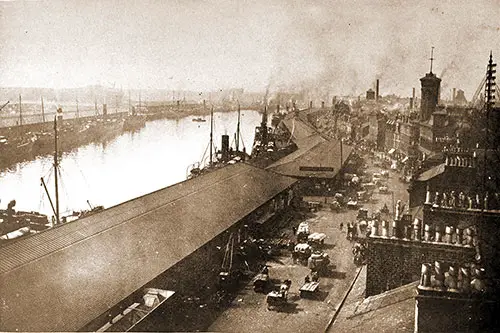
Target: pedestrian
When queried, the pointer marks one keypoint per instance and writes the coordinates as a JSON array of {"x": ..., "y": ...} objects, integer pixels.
[
  {"x": 341, "y": 225},
  {"x": 307, "y": 279},
  {"x": 294, "y": 230}
]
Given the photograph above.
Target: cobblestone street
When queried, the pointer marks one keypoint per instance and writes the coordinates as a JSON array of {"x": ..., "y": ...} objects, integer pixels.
[{"x": 248, "y": 311}]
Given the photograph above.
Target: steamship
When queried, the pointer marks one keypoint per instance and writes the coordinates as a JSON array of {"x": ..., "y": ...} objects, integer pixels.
[{"x": 218, "y": 158}]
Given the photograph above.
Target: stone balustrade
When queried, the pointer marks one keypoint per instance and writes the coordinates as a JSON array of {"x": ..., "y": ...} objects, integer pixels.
[
  {"x": 440, "y": 277},
  {"x": 436, "y": 234},
  {"x": 463, "y": 200}
]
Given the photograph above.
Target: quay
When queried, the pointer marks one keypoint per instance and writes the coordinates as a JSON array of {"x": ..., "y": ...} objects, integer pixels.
[{"x": 170, "y": 237}]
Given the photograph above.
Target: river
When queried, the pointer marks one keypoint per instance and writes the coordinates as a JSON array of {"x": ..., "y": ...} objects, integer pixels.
[{"x": 129, "y": 166}]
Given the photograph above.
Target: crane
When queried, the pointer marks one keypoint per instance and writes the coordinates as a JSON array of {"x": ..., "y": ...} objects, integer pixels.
[
  {"x": 4, "y": 105},
  {"x": 476, "y": 99}
]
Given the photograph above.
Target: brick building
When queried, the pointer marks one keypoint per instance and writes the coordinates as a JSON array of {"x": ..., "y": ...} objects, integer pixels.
[{"x": 376, "y": 132}]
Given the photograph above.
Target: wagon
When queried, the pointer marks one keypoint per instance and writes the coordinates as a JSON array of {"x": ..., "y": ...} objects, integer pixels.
[
  {"x": 278, "y": 298},
  {"x": 261, "y": 282},
  {"x": 301, "y": 252},
  {"x": 318, "y": 262},
  {"x": 352, "y": 204},
  {"x": 275, "y": 299},
  {"x": 316, "y": 239},
  {"x": 309, "y": 289},
  {"x": 303, "y": 231}
]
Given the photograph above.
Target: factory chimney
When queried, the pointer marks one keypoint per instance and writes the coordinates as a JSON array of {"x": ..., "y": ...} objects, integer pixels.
[
  {"x": 377, "y": 90},
  {"x": 454, "y": 95},
  {"x": 413, "y": 93},
  {"x": 310, "y": 105}
]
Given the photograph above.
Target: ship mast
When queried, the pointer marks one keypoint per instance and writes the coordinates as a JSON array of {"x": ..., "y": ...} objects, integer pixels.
[
  {"x": 43, "y": 111},
  {"x": 211, "y": 132},
  {"x": 263, "y": 127},
  {"x": 238, "y": 130},
  {"x": 129, "y": 109},
  {"x": 20, "y": 111},
  {"x": 56, "y": 169}
]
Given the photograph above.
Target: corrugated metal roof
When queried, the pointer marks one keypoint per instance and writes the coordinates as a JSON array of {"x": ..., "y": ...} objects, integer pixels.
[
  {"x": 322, "y": 154},
  {"x": 301, "y": 132},
  {"x": 62, "y": 278}
]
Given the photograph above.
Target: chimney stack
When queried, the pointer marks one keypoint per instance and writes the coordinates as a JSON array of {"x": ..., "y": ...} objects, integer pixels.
[
  {"x": 377, "y": 90},
  {"x": 411, "y": 103},
  {"x": 454, "y": 95},
  {"x": 413, "y": 93},
  {"x": 310, "y": 105}
]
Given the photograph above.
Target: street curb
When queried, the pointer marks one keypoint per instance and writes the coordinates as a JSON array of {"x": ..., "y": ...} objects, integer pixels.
[{"x": 341, "y": 304}]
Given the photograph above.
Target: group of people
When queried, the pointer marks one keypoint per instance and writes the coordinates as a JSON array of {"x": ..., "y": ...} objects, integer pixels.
[{"x": 314, "y": 277}]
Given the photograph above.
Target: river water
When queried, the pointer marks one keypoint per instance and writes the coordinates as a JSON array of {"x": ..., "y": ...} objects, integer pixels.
[{"x": 129, "y": 166}]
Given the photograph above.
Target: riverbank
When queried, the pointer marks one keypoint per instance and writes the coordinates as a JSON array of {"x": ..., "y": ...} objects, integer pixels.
[
  {"x": 27, "y": 142},
  {"x": 137, "y": 163}
]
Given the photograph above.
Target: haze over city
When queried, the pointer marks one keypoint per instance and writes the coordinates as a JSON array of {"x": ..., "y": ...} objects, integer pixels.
[{"x": 339, "y": 47}]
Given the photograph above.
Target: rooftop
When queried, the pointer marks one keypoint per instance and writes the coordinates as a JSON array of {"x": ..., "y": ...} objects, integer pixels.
[
  {"x": 391, "y": 311},
  {"x": 301, "y": 132},
  {"x": 63, "y": 278},
  {"x": 318, "y": 160},
  {"x": 431, "y": 173}
]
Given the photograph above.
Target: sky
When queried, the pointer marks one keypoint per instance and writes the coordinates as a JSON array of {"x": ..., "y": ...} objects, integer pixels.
[{"x": 329, "y": 47}]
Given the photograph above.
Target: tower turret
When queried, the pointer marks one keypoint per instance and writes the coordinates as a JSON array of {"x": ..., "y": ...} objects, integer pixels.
[{"x": 430, "y": 92}]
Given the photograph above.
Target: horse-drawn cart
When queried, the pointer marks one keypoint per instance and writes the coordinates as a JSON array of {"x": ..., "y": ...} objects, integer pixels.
[
  {"x": 316, "y": 239},
  {"x": 277, "y": 299},
  {"x": 261, "y": 281},
  {"x": 309, "y": 289},
  {"x": 301, "y": 252},
  {"x": 303, "y": 232}
]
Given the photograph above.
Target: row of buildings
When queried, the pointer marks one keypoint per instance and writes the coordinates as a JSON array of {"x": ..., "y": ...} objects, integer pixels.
[
  {"x": 445, "y": 247},
  {"x": 92, "y": 273},
  {"x": 414, "y": 136}
]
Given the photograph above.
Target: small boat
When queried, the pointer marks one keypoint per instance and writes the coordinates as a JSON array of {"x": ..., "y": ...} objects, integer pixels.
[
  {"x": 199, "y": 120},
  {"x": 15, "y": 224}
]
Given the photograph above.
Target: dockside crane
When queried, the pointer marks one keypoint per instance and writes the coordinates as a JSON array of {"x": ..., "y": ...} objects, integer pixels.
[
  {"x": 229, "y": 276},
  {"x": 477, "y": 101}
]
